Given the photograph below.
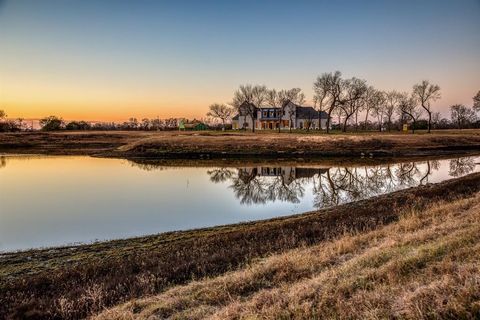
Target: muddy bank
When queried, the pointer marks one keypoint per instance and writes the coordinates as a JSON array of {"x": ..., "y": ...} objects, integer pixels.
[{"x": 45, "y": 281}]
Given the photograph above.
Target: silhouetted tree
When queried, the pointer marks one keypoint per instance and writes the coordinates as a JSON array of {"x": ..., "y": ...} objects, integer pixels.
[
  {"x": 295, "y": 96},
  {"x": 436, "y": 117},
  {"x": 331, "y": 85},
  {"x": 248, "y": 98},
  {"x": 425, "y": 93},
  {"x": 51, "y": 123},
  {"x": 355, "y": 92},
  {"x": 274, "y": 99},
  {"x": 461, "y": 115},
  {"x": 319, "y": 100},
  {"x": 78, "y": 125},
  {"x": 476, "y": 102},
  {"x": 378, "y": 110},
  {"x": 408, "y": 107},
  {"x": 373, "y": 99},
  {"x": 391, "y": 105},
  {"x": 145, "y": 124},
  {"x": 220, "y": 111}
]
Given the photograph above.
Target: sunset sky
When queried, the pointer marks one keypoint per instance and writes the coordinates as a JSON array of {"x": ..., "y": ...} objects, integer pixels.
[{"x": 110, "y": 60}]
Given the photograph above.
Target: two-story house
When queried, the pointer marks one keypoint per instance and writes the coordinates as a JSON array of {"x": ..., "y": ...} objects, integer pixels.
[{"x": 291, "y": 116}]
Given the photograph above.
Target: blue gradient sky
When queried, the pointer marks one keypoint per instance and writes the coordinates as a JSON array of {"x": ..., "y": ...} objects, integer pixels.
[{"x": 109, "y": 60}]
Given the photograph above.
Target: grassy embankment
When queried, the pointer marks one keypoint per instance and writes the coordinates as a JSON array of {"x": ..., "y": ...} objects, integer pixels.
[
  {"x": 176, "y": 144},
  {"x": 424, "y": 266},
  {"x": 74, "y": 282}
]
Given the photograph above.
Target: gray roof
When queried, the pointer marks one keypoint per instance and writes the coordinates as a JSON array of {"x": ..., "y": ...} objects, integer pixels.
[{"x": 310, "y": 113}]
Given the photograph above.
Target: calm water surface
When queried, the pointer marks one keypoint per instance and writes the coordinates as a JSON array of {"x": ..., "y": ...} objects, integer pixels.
[{"x": 50, "y": 201}]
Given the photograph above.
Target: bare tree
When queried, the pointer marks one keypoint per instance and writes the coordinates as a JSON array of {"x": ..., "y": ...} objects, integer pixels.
[
  {"x": 330, "y": 84},
  {"x": 476, "y": 102},
  {"x": 462, "y": 115},
  {"x": 379, "y": 109},
  {"x": 391, "y": 104},
  {"x": 3, "y": 115},
  {"x": 425, "y": 93},
  {"x": 247, "y": 99},
  {"x": 407, "y": 106},
  {"x": 220, "y": 111},
  {"x": 355, "y": 91},
  {"x": 295, "y": 96},
  {"x": 319, "y": 100},
  {"x": 310, "y": 118},
  {"x": 372, "y": 99},
  {"x": 436, "y": 118},
  {"x": 274, "y": 98},
  {"x": 145, "y": 124}
]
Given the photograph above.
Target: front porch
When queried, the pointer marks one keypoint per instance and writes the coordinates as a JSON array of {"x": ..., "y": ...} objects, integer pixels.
[{"x": 273, "y": 124}]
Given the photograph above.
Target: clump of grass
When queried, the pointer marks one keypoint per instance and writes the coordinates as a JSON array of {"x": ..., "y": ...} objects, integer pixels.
[{"x": 425, "y": 266}]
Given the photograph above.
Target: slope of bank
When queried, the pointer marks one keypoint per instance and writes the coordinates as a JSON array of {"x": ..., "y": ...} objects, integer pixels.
[
  {"x": 73, "y": 282},
  {"x": 209, "y": 146},
  {"x": 425, "y": 266},
  {"x": 206, "y": 145}
]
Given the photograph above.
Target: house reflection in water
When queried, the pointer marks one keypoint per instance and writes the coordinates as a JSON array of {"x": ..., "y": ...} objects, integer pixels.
[
  {"x": 257, "y": 185},
  {"x": 288, "y": 174}
]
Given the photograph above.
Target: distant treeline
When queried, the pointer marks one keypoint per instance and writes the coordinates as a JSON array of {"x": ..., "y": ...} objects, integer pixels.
[
  {"x": 351, "y": 104},
  {"x": 54, "y": 123}
]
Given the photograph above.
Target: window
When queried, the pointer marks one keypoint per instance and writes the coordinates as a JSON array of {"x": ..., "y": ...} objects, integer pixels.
[{"x": 265, "y": 114}]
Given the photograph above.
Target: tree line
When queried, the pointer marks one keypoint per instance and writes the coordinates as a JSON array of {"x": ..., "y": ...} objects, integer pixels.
[
  {"x": 350, "y": 99},
  {"x": 54, "y": 123}
]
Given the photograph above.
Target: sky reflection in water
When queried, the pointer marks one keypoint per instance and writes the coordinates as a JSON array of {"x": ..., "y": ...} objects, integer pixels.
[{"x": 49, "y": 201}]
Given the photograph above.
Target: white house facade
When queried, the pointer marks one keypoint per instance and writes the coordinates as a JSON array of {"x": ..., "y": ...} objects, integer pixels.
[{"x": 292, "y": 116}]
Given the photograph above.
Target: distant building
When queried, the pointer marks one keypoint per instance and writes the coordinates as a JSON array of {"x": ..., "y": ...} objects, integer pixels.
[
  {"x": 194, "y": 125},
  {"x": 292, "y": 116}
]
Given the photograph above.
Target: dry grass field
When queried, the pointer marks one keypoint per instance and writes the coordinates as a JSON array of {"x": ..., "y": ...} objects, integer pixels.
[{"x": 210, "y": 144}]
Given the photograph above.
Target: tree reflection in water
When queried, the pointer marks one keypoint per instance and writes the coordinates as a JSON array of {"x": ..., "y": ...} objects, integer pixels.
[
  {"x": 331, "y": 186},
  {"x": 461, "y": 166},
  {"x": 3, "y": 161}
]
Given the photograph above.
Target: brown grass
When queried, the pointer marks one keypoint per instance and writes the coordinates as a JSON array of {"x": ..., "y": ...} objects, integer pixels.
[
  {"x": 209, "y": 144},
  {"x": 206, "y": 145},
  {"x": 425, "y": 266},
  {"x": 75, "y": 282}
]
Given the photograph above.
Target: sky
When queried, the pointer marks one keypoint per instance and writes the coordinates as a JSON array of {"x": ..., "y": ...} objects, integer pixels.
[{"x": 109, "y": 60}]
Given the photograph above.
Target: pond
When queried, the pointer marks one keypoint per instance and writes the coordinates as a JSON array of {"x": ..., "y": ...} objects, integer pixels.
[{"x": 59, "y": 200}]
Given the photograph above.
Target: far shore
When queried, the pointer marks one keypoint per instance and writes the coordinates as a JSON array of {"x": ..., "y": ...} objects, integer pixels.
[{"x": 240, "y": 144}]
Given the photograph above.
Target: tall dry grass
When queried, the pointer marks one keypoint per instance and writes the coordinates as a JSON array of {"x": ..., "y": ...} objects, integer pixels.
[{"x": 425, "y": 266}]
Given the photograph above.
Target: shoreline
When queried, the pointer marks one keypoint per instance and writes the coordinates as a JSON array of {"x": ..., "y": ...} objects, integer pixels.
[
  {"x": 217, "y": 145},
  {"x": 175, "y": 257}
]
